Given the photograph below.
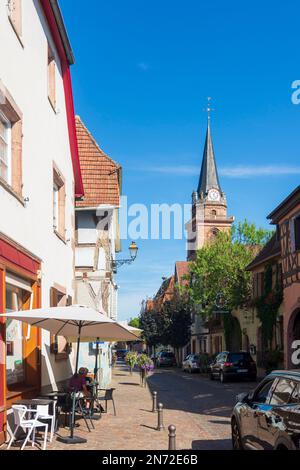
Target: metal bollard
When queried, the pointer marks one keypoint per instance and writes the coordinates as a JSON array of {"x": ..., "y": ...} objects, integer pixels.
[
  {"x": 160, "y": 422},
  {"x": 154, "y": 408},
  {"x": 172, "y": 437}
]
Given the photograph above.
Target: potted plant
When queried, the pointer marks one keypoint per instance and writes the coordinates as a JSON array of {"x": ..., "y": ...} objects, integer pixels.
[
  {"x": 146, "y": 365},
  {"x": 131, "y": 359}
]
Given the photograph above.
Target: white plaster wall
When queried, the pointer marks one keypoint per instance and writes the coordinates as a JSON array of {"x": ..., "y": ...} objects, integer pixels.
[
  {"x": 87, "y": 233},
  {"x": 23, "y": 70}
]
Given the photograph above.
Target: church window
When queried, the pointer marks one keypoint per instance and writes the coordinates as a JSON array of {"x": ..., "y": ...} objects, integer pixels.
[{"x": 214, "y": 232}]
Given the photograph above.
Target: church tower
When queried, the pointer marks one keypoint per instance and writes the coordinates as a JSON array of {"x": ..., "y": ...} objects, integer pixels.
[{"x": 209, "y": 205}]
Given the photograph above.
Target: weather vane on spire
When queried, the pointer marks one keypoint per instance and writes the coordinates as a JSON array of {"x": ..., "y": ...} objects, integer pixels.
[{"x": 209, "y": 109}]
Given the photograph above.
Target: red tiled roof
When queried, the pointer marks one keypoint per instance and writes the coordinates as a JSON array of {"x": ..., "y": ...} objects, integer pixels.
[
  {"x": 149, "y": 305},
  {"x": 100, "y": 173},
  {"x": 182, "y": 270}
]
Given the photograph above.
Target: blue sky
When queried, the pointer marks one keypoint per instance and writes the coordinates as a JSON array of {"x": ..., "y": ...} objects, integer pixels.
[{"x": 143, "y": 72}]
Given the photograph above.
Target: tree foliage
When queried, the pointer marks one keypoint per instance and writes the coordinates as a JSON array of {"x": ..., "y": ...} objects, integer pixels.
[
  {"x": 171, "y": 326},
  {"x": 178, "y": 312},
  {"x": 154, "y": 326},
  {"x": 134, "y": 322},
  {"x": 220, "y": 267}
]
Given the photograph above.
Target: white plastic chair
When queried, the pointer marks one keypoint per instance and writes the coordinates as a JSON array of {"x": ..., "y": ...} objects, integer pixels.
[
  {"x": 29, "y": 425},
  {"x": 44, "y": 415}
]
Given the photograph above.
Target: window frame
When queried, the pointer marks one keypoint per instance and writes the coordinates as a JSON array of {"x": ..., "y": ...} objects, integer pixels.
[
  {"x": 51, "y": 77},
  {"x": 11, "y": 113},
  {"x": 261, "y": 386},
  {"x": 59, "y": 182},
  {"x": 15, "y": 16},
  {"x": 281, "y": 379},
  {"x": 58, "y": 344},
  {"x": 8, "y": 141},
  {"x": 296, "y": 221}
]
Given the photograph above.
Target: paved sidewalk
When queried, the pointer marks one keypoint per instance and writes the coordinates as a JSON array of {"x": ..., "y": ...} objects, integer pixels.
[{"x": 134, "y": 426}]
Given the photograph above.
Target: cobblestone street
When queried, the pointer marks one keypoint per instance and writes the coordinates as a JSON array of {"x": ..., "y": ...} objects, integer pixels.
[{"x": 200, "y": 410}]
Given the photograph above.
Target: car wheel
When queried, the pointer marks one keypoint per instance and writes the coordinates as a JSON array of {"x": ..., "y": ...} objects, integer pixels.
[
  {"x": 222, "y": 377},
  {"x": 211, "y": 376},
  {"x": 236, "y": 436}
]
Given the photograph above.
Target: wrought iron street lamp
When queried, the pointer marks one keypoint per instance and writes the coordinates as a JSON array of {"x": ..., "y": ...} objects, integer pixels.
[{"x": 133, "y": 251}]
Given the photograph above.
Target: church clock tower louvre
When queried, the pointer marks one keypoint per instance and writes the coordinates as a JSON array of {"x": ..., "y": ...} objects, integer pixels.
[{"x": 209, "y": 204}]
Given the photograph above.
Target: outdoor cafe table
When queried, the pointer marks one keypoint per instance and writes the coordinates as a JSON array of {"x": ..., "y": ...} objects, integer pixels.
[{"x": 33, "y": 403}]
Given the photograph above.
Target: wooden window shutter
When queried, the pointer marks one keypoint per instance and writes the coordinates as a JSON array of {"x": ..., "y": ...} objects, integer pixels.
[
  {"x": 16, "y": 136},
  {"x": 297, "y": 232},
  {"x": 292, "y": 235},
  {"x": 53, "y": 303},
  {"x": 62, "y": 210},
  {"x": 51, "y": 78},
  {"x": 15, "y": 15}
]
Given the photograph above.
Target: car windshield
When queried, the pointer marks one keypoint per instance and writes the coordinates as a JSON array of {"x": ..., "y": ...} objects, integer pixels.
[
  {"x": 236, "y": 357},
  {"x": 170, "y": 355}
]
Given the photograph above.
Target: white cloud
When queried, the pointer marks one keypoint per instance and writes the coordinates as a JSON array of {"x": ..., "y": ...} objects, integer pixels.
[
  {"x": 239, "y": 171},
  {"x": 249, "y": 171},
  {"x": 175, "y": 170},
  {"x": 143, "y": 66}
]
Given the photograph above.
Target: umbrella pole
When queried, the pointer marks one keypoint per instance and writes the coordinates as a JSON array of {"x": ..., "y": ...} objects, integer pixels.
[
  {"x": 77, "y": 353},
  {"x": 96, "y": 360},
  {"x": 74, "y": 439}
]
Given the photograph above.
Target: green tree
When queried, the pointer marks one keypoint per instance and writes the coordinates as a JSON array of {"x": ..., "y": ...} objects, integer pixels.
[
  {"x": 134, "y": 322},
  {"x": 154, "y": 326},
  {"x": 178, "y": 312},
  {"x": 220, "y": 267}
]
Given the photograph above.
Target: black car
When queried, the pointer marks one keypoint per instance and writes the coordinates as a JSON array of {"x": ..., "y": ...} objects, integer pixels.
[
  {"x": 121, "y": 353},
  {"x": 231, "y": 365},
  {"x": 268, "y": 418}
]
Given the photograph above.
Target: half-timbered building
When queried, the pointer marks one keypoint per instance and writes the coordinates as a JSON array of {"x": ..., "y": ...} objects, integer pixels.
[{"x": 286, "y": 217}]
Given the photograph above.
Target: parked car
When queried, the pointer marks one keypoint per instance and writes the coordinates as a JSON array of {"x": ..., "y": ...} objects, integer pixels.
[
  {"x": 121, "y": 353},
  {"x": 191, "y": 363},
  {"x": 268, "y": 418},
  {"x": 233, "y": 365},
  {"x": 165, "y": 358}
]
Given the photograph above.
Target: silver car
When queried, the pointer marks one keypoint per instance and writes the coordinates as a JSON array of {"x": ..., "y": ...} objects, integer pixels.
[{"x": 191, "y": 363}]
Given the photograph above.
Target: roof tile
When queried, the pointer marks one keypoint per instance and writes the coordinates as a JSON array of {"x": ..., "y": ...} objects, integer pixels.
[{"x": 100, "y": 173}]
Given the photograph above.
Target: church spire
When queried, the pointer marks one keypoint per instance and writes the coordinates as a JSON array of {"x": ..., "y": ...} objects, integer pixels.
[{"x": 209, "y": 178}]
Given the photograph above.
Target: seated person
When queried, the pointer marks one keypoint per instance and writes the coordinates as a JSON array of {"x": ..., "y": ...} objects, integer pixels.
[{"x": 78, "y": 382}]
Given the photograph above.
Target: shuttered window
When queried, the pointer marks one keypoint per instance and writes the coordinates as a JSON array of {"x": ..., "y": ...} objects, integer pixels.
[
  {"x": 15, "y": 15},
  {"x": 297, "y": 233},
  {"x": 5, "y": 149}
]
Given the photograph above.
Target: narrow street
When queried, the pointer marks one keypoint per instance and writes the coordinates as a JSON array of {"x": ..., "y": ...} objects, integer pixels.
[
  {"x": 200, "y": 404},
  {"x": 200, "y": 410}
]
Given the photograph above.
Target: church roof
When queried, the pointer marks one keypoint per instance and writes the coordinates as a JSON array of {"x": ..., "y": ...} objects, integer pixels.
[{"x": 209, "y": 174}]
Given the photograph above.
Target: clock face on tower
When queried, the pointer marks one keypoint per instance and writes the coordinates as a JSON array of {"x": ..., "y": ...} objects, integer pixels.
[{"x": 213, "y": 195}]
